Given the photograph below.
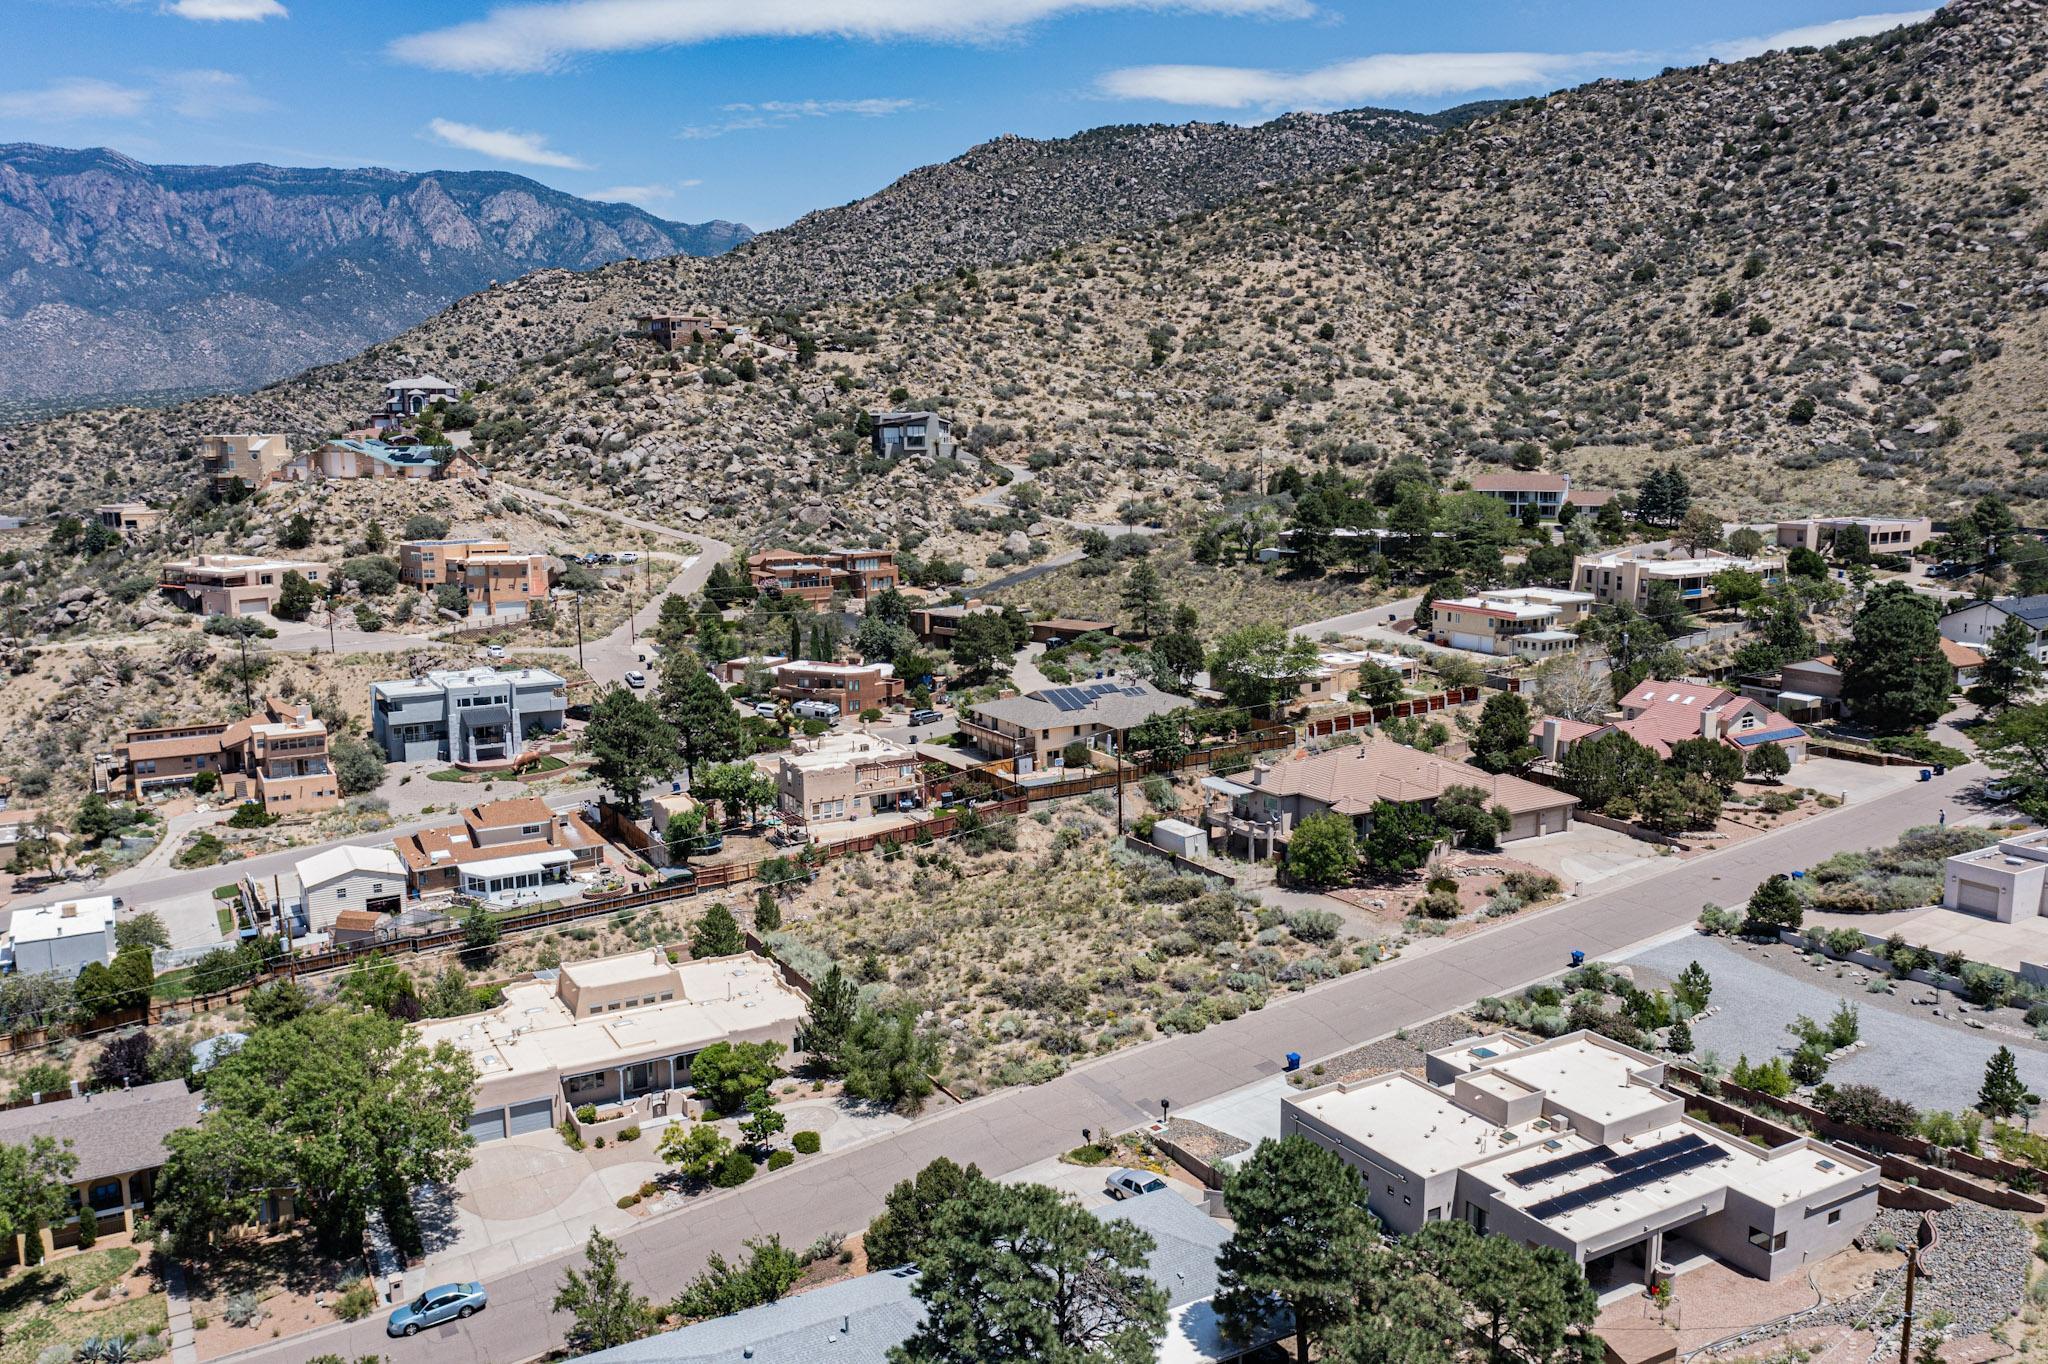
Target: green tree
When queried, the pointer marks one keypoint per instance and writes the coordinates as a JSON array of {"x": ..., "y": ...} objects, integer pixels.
[
  {"x": 828, "y": 1022},
  {"x": 1176, "y": 657},
  {"x": 35, "y": 1189},
  {"x": 295, "y": 597},
  {"x": 1501, "y": 742},
  {"x": 1694, "y": 987},
  {"x": 981, "y": 646},
  {"x": 696, "y": 709},
  {"x": 1679, "y": 1039},
  {"x": 696, "y": 1149},
  {"x": 1993, "y": 520},
  {"x": 1465, "y": 811},
  {"x": 1322, "y": 851},
  {"x": 1018, "y": 1272},
  {"x": 1708, "y": 758},
  {"x": 763, "y": 1120},
  {"x": 910, "y": 1214},
  {"x": 1774, "y": 905},
  {"x": 768, "y": 1271},
  {"x": 727, "y": 1074},
  {"x": 145, "y": 929},
  {"x": 1144, "y": 598},
  {"x": 607, "y": 1310},
  {"x": 1607, "y": 768},
  {"x": 297, "y": 532},
  {"x": 1767, "y": 762},
  {"x": 1260, "y": 667},
  {"x": 2014, "y": 743},
  {"x": 1158, "y": 738},
  {"x": 889, "y": 1059},
  {"x": 716, "y": 934},
  {"x": 2003, "y": 1094},
  {"x": 358, "y": 767},
  {"x": 1303, "y": 1242},
  {"x": 1526, "y": 1305},
  {"x": 1399, "y": 837},
  {"x": 1736, "y": 588},
  {"x": 630, "y": 745},
  {"x": 2009, "y": 670},
  {"x": 1894, "y": 676}
]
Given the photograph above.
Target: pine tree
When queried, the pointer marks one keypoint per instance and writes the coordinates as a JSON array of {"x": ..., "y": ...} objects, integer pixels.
[
  {"x": 717, "y": 934},
  {"x": 707, "y": 728},
  {"x": 1679, "y": 1039},
  {"x": 1774, "y": 906},
  {"x": 1501, "y": 742},
  {"x": 1694, "y": 987},
  {"x": 2002, "y": 1094},
  {"x": 1144, "y": 598},
  {"x": 2009, "y": 670},
  {"x": 835, "y": 1005},
  {"x": 1302, "y": 1242},
  {"x": 608, "y": 1312}
]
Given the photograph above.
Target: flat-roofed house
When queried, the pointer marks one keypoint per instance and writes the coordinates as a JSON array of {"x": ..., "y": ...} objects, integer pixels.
[
  {"x": 938, "y": 624},
  {"x": 1532, "y": 622},
  {"x": 232, "y": 584},
  {"x": 1888, "y": 534},
  {"x": 65, "y": 937},
  {"x": 2007, "y": 881},
  {"x": 617, "y": 1030},
  {"x": 1575, "y": 1143},
  {"x": 897, "y": 434},
  {"x": 839, "y": 777},
  {"x": 276, "y": 757},
  {"x": 128, "y": 519},
  {"x": 1628, "y": 578},
  {"x": 248, "y": 458},
  {"x": 669, "y": 330},
  {"x": 505, "y": 852},
  {"x": 1035, "y": 727},
  {"x": 472, "y": 717},
  {"x": 817, "y": 578},
  {"x": 499, "y": 581},
  {"x": 852, "y": 687},
  {"x": 1544, "y": 491}
]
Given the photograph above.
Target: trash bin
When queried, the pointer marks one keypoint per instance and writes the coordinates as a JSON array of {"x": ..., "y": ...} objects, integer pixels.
[
  {"x": 1294, "y": 1060},
  {"x": 1925, "y": 775},
  {"x": 1578, "y": 957}
]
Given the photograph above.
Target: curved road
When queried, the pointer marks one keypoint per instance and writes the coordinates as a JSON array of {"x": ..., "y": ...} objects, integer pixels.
[{"x": 1013, "y": 1128}]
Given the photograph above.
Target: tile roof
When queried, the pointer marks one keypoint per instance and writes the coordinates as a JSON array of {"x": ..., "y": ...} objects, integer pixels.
[
  {"x": 111, "y": 1133},
  {"x": 1961, "y": 655},
  {"x": 1350, "y": 779}
]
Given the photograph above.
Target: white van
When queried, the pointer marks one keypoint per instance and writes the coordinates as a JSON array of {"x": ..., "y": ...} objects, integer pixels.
[{"x": 815, "y": 710}]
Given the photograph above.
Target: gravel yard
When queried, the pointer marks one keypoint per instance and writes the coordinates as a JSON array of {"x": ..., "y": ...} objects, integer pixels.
[{"x": 1924, "y": 1062}]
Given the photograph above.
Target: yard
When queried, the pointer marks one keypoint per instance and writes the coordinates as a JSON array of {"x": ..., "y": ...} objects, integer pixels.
[
  {"x": 99, "y": 1293},
  {"x": 259, "y": 1287}
]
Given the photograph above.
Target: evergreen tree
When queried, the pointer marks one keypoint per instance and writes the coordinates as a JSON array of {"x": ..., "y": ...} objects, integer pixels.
[
  {"x": 693, "y": 705},
  {"x": 828, "y": 1023},
  {"x": 608, "y": 1312},
  {"x": 2009, "y": 671},
  {"x": 1694, "y": 987},
  {"x": 1993, "y": 520},
  {"x": 1774, "y": 906},
  {"x": 1400, "y": 838},
  {"x": 1144, "y": 598},
  {"x": 1767, "y": 762},
  {"x": 1679, "y": 1039},
  {"x": 1302, "y": 1243},
  {"x": 717, "y": 934},
  {"x": 911, "y": 1212},
  {"x": 630, "y": 744},
  {"x": 2002, "y": 1094},
  {"x": 1894, "y": 676},
  {"x": 1501, "y": 743}
]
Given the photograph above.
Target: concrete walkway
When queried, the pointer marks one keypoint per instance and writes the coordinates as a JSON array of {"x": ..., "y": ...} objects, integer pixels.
[
  {"x": 1016, "y": 1127},
  {"x": 178, "y": 1314}
]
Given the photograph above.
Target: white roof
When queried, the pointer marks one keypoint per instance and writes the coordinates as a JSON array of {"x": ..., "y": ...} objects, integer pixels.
[
  {"x": 65, "y": 919},
  {"x": 1179, "y": 828},
  {"x": 421, "y": 381},
  {"x": 331, "y": 864},
  {"x": 518, "y": 863}
]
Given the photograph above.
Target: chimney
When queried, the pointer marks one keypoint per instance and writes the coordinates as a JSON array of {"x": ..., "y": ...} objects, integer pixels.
[
  {"x": 1710, "y": 724},
  {"x": 1546, "y": 742}
]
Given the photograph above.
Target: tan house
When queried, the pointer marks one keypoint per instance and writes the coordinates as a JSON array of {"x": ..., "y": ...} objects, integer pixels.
[
  {"x": 1546, "y": 492},
  {"x": 616, "y": 1033},
  {"x": 276, "y": 758},
  {"x": 1034, "y": 728},
  {"x": 500, "y": 582},
  {"x": 817, "y": 578},
  {"x": 252, "y": 460},
  {"x": 1260, "y": 808},
  {"x": 1532, "y": 622},
  {"x": 1888, "y": 534},
  {"x": 128, "y": 519},
  {"x": 669, "y": 330},
  {"x": 2007, "y": 881},
  {"x": 852, "y": 687},
  {"x": 1337, "y": 673},
  {"x": 117, "y": 1138},
  {"x": 1627, "y": 578},
  {"x": 358, "y": 458},
  {"x": 505, "y": 852},
  {"x": 938, "y": 624},
  {"x": 839, "y": 777},
  {"x": 232, "y": 584}
]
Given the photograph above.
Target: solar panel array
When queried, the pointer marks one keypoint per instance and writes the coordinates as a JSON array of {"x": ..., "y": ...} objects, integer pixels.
[
  {"x": 1563, "y": 1165},
  {"x": 1660, "y": 1162}
]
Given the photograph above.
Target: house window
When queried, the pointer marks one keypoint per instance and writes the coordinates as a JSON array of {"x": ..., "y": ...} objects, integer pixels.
[
  {"x": 341, "y": 892},
  {"x": 586, "y": 1084},
  {"x": 1834, "y": 1216}
]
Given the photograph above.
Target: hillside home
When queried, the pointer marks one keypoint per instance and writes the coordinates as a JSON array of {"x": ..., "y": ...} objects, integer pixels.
[
  {"x": 500, "y": 582},
  {"x": 117, "y": 1139},
  {"x": 128, "y": 519},
  {"x": 1515, "y": 490},
  {"x": 852, "y": 687},
  {"x": 669, "y": 330},
  {"x": 936, "y": 625},
  {"x": 65, "y": 937},
  {"x": 1575, "y": 1143},
  {"x": 897, "y": 434},
  {"x": 613, "y": 1030},
  {"x": 1258, "y": 810},
  {"x": 1888, "y": 534},
  {"x": 1337, "y": 672},
  {"x": 1977, "y": 622},
  {"x": 733, "y": 671},
  {"x": 817, "y": 578},
  {"x": 838, "y": 777},
  {"x": 248, "y": 459},
  {"x": 472, "y": 717},
  {"x": 1033, "y": 728},
  {"x": 276, "y": 757},
  {"x": 1659, "y": 714},
  {"x": 1533, "y": 622},
  {"x": 1626, "y": 578},
  {"x": 405, "y": 399},
  {"x": 355, "y": 458},
  {"x": 349, "y": 877},
  {"x": 504, "y": 852},
  {"x": 232, "y": 584}
]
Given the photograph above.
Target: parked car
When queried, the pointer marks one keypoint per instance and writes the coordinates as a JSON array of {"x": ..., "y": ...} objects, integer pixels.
[
  {"x": 629, "y": 557},
  {"x": 636, "y": 679},
  {"x": 1131, "y": 1183},
  {"x": 494, "y": 651},
  {"x": 924, "y": 717},
  {"x": 767, "y": 710},
  {"x": 447, "y": 1303},
  {"x": 815, "y": 710}
]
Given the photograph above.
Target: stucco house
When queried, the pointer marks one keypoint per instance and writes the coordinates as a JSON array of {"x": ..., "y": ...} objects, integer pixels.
[
  {"x": 472, "y": 717},
  {"x": 1035, "y": 727},
  {"x": 65, "y": 937},
  {"x": 838, "y": 777},
  {"x": 348, "y": 877}
]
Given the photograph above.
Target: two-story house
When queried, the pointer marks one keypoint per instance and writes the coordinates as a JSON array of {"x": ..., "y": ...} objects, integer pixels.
[
  {"x": 505, "y": 852},
  {"x": 475, "y": 717},
  {"x": 128, "y": 519},
  {"x": 1546, "y": 492},
  {"x": 276, "y": 757},
  {"x": 405, "y": 399},
  {"x": 897, "y": 434},
  {"x": 838, "y": 777},
  {"x": 500, "y": 582},
  {"x": 1533, "y": 622},
  {"x": 232, "y": 584},
  {"x": 1628, "y": 578},
  {"x": 251, "y": 460},
  {"x": 817, "y": 578},
  {"x": 669, "y": 330},
  {"x": 852, "y": 687},
  {"x": 1036, "y": 727}
]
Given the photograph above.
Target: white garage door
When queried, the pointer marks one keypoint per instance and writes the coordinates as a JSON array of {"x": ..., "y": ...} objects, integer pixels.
[
  {"x": 1478, "y": 644},
  {"x": 488, "y": 1125},
  {"x": 1977, "y": 898},
  {"x": 536, "y": 1115}
]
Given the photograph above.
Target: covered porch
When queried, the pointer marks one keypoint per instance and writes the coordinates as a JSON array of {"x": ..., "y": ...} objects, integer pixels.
[
  {"x": 654, "y": 1079},
  {"x": 521, "y": 879}
]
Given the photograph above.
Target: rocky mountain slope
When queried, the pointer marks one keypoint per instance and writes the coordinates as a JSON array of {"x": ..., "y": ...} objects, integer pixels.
[
  {"x": 117, "y": 277},
  {"x": 1813, "y": 277}
]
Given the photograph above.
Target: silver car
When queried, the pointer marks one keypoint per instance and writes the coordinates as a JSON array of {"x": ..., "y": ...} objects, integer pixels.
[{"x": 449, "y": 1302}]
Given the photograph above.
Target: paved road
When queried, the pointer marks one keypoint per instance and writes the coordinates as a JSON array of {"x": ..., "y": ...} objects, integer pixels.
[{"x": 1013, "y": 1128}]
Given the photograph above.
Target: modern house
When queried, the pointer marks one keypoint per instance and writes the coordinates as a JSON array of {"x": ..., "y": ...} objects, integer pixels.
[
  {"x": 613, "y": 1031},
  {"x": 2007, "y": 881},
  {"x": 276, "y": 757},
  {"x": 232, "y": 584},
  {"x": 405, "y": 399},
  {"x": 1575, "y": 1143},
  {"x": 669, "y": 330},
  {"x": 839, "y": 777},
  {"x": 897, "y": 434},
  {"x": 860, "y": 1320},
  {"x": 473, "y": 717},
  {"x": 128, "y": 519},
  {"x": 349, "y": 877},
  {"x": 1544, "y": 491},
  {"x": 504, "y": 852},
  {"x": 1888, "y": 534},
  {"x": 852, "y": 687},
  {"x": 1035, "y": 727},
  {"x": 1977, "y": 622},
  {"x": 1337, "y": 673},
  {"x": 500, "y": 582},
  {"x": 353, "y": 458},
  {"x": 937, "y": 625},
  {"x": 1258, "y": 810},
  {"x": 732, "y": 671},
  {"x": 65, "y": 937},
  {"x": 1628, "y": 578},
  {"x": 1532, "y": 622},
  {"x": 247, "y": 458},
  {"x": 1659, "y": 714},
  {"x": 117, "y": 1139},
  {"x": 817, "y": 578}
]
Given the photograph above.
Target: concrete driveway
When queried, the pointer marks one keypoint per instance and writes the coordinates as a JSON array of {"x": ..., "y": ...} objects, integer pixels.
[
  {"x": 1855, "y": 783},
  {"x": 1583, "y": 856},
  {"x": 524, "y": 1199}
]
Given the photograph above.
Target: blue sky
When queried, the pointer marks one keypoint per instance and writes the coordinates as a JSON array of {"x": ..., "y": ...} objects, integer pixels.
[{"x": 761, "y": 110}]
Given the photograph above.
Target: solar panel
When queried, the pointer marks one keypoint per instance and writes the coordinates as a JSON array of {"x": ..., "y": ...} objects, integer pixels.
[
  {"x": 1563, "y": 1165},
  {"x": 1671, "y": 1158},
  {"x": 1636, "y": 1160}
]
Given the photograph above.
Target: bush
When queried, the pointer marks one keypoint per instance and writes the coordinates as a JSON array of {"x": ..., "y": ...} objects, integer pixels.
[
  {"x": 806, "y": 1143},
  {"x": 1868, "y": 1106},
  {"x": 1314, "y": 925},
  {"x": 358, "y": 1299},
  {"x": 243, "y": 1309},
  {"x": 586, "y": 1113},
  {"x": 631, "y": 1200},
  {"x": 778, "y": 1159},
  {"x": 736, "y": 1169},
  {"x": 1439, "y": 905},
  {"x": 631, "y": 1133},
  {"x": 250, "y": 815}
]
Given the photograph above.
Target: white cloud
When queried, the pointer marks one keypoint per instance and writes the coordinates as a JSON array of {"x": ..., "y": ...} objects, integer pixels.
[
  {"x": 541, "y": 37},
  {"x": 209, "y": 94},
  {"x": 644, "y": 196},
  {"x": 503, "y": 144},
  {"x": 1365, "y": 80},
  {"x": 775, "y": 113},
  {"x": 1817, "y": 35},
  {"x": 230, "y": 10},
  {"x": 73, "y": 99}
]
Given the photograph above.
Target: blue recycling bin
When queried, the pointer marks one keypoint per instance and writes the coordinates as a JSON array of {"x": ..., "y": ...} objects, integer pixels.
[
  {"x": 1578, "y": 957},
  {"x": 1294, "y": 1060},
  {"x": 1925, "y": 775}
]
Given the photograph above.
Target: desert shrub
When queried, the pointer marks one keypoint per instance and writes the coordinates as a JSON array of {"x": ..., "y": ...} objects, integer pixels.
[
  {"x": 1868, "y": 1106},
  {"x": 736, "y": 1169},
  {"x": 243, "y": 1309},
  {"x": 806, "y": 1143},
  {"x": 357, "y": 1300},
  {"x": 1314, "y": 925},
  {"x": 1438, "y": 905},
  {"x": 778, "y": 1159}
]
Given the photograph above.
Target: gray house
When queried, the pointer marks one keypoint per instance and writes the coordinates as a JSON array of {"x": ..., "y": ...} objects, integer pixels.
[
  {"x": 1977, "y": 622},
  {"x": 913, "y": 433},
  {"x": 471, "y": 717}
]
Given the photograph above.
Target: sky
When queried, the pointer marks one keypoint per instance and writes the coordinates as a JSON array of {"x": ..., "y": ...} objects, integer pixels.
[{"x": 759, "y": 111}]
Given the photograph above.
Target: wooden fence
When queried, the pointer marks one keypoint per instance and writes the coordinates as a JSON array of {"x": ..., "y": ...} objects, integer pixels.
[{"x": 1393, "y": 710}]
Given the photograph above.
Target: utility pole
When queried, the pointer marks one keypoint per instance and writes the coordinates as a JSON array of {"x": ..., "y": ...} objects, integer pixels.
[
  {"x": 579, "y": 631},
  {"x": 248, "y": 705},
  {"x": 1118, "y": 752}
]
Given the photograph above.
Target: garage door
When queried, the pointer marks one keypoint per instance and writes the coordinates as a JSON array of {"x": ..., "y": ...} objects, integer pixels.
[
  {"x": 1977, "y": 898},
  {"x": 488, "y": 1125},
  {"x": 537, "y": 1115},
  {"x": 1478, "y": 644}
]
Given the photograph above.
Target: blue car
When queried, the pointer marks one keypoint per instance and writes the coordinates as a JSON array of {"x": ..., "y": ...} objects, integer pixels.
[{"x": 436, "y": 1305}]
